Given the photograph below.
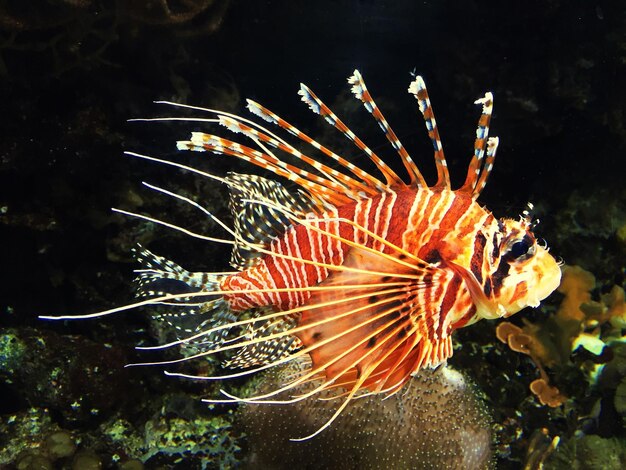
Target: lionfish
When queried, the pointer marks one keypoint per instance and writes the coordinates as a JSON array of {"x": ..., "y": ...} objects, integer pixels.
[{"x": 365, "y": 276}]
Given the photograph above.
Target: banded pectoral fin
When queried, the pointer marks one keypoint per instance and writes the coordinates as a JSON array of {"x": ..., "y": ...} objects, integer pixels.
[{"x": 378, "y": 319}]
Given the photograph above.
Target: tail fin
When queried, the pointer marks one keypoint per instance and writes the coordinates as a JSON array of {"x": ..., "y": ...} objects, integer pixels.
[{"x": 187, "y": 315}]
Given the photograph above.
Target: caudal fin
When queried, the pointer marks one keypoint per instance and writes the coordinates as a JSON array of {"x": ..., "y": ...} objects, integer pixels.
[{"x": 186, "y": 316}]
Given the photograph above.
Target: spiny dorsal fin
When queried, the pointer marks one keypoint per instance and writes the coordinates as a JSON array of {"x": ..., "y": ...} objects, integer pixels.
[
  {"x": 326, "y": 184},
  {"x": 359, "y": 89},
  {"x": 257, "y": 223}
]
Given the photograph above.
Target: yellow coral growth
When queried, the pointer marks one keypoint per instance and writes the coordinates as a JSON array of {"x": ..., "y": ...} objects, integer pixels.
[
  {"x": 546, "y": 393},
  {"x": 579, "y": 322},
  {"x": 578, "y": 313},
  {"x": 524, "y": 343},
  {"x": 616, "y": 307},
  {"x": 576, "y": 285}
]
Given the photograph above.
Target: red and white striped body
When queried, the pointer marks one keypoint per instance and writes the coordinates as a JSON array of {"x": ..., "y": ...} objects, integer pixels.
[{"x": 435, "y": 225}]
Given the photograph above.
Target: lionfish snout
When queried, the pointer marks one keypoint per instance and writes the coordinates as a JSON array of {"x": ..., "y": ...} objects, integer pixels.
[
  {"x": 529, "y": 281},
  {"x": 546, "y": 274}
]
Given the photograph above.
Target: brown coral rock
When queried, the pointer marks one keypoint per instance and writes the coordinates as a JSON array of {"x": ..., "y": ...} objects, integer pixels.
[
  {"x": 505, "y": 329},
  {"x": 547, "y": 394},
  {"x": 435, "y": 421}
]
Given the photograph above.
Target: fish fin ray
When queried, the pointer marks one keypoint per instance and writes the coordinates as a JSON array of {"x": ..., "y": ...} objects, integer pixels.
[
  {"x": 367, "y": 184},
  {"x": 418, "y": 89},
  {"x": 265, "y": 352},
  {"x": 260, "y": 223},
  {"x": 480, "y": 167},
  {"x": 360, "y": 91},
  {"x": 318, "y": 107},
  {"x": 185, "y": 315},
  {"x": 430, "y": 343}
]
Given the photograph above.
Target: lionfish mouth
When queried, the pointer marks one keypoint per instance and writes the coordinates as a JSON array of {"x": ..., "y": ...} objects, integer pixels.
[{"x": 548, "y": 272}]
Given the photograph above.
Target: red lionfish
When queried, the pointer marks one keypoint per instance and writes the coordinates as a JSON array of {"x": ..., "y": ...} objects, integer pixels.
[{"x": 365, "y": 277}]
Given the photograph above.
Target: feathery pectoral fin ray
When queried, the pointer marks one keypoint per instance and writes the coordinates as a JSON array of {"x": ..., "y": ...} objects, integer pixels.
[{"x": 417, "y": 339}]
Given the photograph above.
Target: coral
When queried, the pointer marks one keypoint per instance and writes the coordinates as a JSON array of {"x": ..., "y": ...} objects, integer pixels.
[
  {"x": 620, "y": 398},
  {"x": 43, "y": 372},
  {"x": 546, "y": 393},
  {"x": 32, "y": 441},
  {"x": 581, "y": 347},
  {"x": 526, "y": 343},
  {"x": 12, "y": 352},
  {"x": 183, "y": 428},
  {"x": 132, "y": 464},
  {"x": 21, "y": 433},
  {"x": 60, "y": 444},
  {"x": 33, "y": 461},
  {"x": 206, "y": 437},
  {"x": 576, "y": 285},
  {"x": 540, "y": 447},
  {"x": 201, "y": 439},
  {"x": 437, "y": 421},
  {"x": 612, "y": 383},
  {"x": 87, "y": 460},
  {"x": 616, "y": 311},
  {"x": 579, "y": 322},
  {"x": 589, "y": 453},
  {"x": 599, "y": 323}
]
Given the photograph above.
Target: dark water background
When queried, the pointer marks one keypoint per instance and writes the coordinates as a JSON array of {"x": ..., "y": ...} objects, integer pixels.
[{"x": 73, "y": 73}]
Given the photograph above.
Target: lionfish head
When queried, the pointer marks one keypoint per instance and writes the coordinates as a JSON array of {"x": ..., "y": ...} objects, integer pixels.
[{"x": 525, "y": 272}]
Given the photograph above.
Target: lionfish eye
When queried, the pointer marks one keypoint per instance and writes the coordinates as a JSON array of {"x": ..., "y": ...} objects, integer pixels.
[
  {"x": 522, "y": 249},
  {"x": 519, "y": 248}
]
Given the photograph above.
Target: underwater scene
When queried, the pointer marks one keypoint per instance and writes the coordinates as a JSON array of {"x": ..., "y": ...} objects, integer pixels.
[{"x": 348, "y": 234}]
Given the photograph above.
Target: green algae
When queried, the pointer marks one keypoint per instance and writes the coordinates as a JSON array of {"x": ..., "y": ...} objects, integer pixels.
[
  {"x": 205, "y": 438},
  {"x": 589, "y": 453},
  {"x": 12, "y": 351},
  {"x": 20, "y": 432}
]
